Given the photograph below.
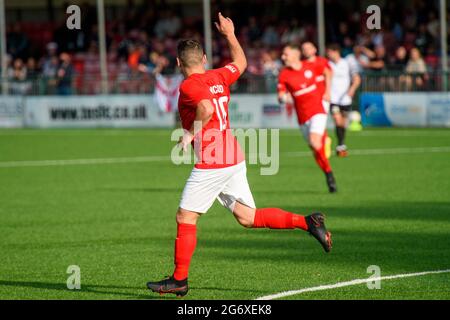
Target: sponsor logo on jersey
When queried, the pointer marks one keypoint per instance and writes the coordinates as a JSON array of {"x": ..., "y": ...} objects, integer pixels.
[
  {"x": 231, "y": 68},
  {"x": 218, "y": 88},
  {"x": 308, "y": 74}
]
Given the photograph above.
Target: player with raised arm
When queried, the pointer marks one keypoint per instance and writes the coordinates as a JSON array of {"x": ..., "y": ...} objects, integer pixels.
[
  {"x": 299, "y": 80},
  {"x": 344, "y": 84},
  {"x": 220, "y": 172}
]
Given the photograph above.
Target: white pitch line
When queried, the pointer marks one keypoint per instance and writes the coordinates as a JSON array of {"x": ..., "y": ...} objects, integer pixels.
[
  {"x": 363, "y": 152},
  {"x": 45, "y": 163},
  {"x": 348, "y": 283},
  {"x": 70, "y": 162}
]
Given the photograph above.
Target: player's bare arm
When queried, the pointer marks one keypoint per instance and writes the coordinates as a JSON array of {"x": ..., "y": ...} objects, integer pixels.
[
  {"x": 356, "y": 82},
  {"x": 226, "y": 28},
  {"x": 204, "y": 112},
  {"x": 328, "y": 73}
]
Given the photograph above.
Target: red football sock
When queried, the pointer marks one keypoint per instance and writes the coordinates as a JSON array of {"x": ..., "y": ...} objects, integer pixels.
[
  {"x": 321, "y": 158},
  {"x": 275, "y": 218},
  {"x": 184, "y": 249}
]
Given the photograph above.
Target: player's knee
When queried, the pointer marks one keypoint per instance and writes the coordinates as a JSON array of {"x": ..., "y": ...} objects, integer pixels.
[
  {"x": 246, "y": 222},
  {"x": 244, "y": 215},
  {"x": 185, "y": 216},
  {"x": 315, "y": 145}
]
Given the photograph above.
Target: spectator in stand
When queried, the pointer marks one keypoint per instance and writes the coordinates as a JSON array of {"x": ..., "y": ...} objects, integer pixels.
[
  {"x": 377, "y": 58},
  {"x": 65, "y": 75},
  {"x": 168, "y": 25},
  {"x": 432, "y": 58},
  {"x": 17, "y": 75},
  {"x": 294, "y": 34},
  {"x": 397, "y": 65},
  {"x": 433, "y": 25},
  {"x": 271, "y": 66},
  {"x": 254, "y": 32},
  {"x": 270, "y": 37},
  {"x": 400, "y": 59},
  {"x": 32, "y": 69},
  {"x": 17, "y": 42},
  {"x": 49, "y": 71},
  {"x": 416, "y": 70},
  {"x": 18, "y": 71},
  {"x": 423, "y": 38}
]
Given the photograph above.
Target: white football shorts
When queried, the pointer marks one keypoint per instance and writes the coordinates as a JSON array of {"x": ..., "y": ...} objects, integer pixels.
[
  {"x": 316, "y": 124},
  {"x": 227, "y": 185}
]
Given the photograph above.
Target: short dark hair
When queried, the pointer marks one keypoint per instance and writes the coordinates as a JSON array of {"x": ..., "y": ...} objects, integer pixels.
[
  {"x": 190, "y": 52},
  {"x": 293, "y": 45},
  {"x": 334, "y": 47},
  {"x": 311, "y": 43}
]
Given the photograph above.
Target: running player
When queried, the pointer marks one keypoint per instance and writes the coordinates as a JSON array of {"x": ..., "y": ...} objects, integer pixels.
[
  {"x": 204, "y": 97},
  {"x": 323, "y": 80},
  {"x": 344, "y": 84},
  {"x": 299, "y": 80},
  {"x": 322, "y": 69}
]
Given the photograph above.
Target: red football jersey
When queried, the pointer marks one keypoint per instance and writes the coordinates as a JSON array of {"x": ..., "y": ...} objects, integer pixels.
[
  {"x": 319, "y": 65},
  {"x": 216, "y": 147},
  {"x": 301, "y": 84}
]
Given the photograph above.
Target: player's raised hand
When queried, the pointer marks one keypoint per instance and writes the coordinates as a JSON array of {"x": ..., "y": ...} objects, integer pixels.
[{"x": 225, "y": 25}]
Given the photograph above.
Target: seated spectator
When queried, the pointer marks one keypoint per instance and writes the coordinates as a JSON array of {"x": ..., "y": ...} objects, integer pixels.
[{"x": 416, "y": 69}]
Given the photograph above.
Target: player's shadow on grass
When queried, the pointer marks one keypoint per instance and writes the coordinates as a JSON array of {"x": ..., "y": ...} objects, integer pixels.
[
  {"x": 95, "y": 289},
  {"x": 226, "y": 289},
  {"x": 143, "y": 189},
  {"x": 179, "y": 190}
]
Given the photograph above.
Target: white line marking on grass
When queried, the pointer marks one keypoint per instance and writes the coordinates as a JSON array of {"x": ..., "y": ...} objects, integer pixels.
[
  {"x": 347, "y": 284},
  {"x": 363, "y": 152},
  {"x": 385, "y": 133},
  {"x": 70, "y": 162},
  {"x": 45, "y": 163}
]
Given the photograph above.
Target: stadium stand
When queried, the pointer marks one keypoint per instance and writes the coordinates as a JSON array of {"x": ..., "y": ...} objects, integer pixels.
[{"x": 141, "y": 40}]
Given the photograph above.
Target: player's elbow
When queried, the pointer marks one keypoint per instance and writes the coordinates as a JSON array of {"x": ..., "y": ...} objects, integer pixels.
[
  {"x": 205, "y": 109},
  {"x": 209, "y": 111},
  {"x": 241, "y": 64}
]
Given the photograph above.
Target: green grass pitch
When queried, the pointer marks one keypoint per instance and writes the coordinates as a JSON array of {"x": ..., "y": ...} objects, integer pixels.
[{"x": 116, "y": 221}]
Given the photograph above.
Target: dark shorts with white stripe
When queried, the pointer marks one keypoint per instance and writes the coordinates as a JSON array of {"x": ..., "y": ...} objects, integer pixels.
[{"x": 337, "y": 108}]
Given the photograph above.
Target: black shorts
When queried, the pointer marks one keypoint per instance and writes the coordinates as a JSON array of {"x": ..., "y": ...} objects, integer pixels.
[{"x": 337, "y": 108}]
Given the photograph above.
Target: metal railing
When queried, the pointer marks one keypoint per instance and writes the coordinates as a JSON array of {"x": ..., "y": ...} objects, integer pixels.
[
  {"x": 90, "y": 84},
  {"x": 390, "y": 81}
]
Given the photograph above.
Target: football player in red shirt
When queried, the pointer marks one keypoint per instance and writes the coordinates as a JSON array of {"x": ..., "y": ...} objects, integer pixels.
[
  {"x": 323, "y": 80},
  {"x": 322, "y": 69},
  {"x": 299, "y": 80},
  {"x": 203, "y": 107}
]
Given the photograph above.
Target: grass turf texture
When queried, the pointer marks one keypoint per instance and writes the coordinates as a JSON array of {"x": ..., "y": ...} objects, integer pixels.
[{"x": 116, "y": 221}]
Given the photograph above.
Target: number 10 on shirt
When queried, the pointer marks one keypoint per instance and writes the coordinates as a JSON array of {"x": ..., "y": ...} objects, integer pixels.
[{"x": 220, "y": 111}]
